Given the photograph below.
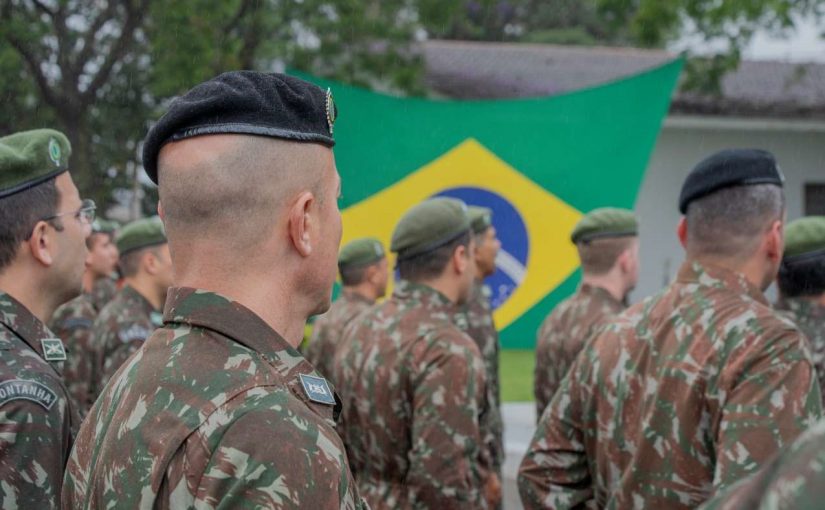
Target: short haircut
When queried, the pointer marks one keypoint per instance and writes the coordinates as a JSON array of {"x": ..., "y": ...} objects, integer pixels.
[
  {"x": 728, "y": 223},
  {"x": 802, "y": 278},
  {"x": 598, "y": 256},
  {"x": 19, "y": 213},
  {"x": 431, "y": 264},
  {"x": 129, "y": 263},
  {"x": 92, "y": 240},
  {"x": 355, "y": 274}
]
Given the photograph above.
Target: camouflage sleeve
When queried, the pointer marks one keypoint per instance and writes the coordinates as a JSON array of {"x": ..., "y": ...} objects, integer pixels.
[
  {"x": 540, "y": 380},
  {"x": 33, "y": 446},
  {"x": 118, "y": 357},
  {"x": 447, "y": 466},
  {"x": 773, "y": 398},
  {"x": 554, "y": 472},
  {"x": 302, "y": 466},
  {"x": 77, "y": 335}
]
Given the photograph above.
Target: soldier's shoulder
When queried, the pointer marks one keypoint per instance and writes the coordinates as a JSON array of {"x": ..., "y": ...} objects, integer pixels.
[
  {"x": 25, "y": 376},
  {"x": 77, "y": 313}
]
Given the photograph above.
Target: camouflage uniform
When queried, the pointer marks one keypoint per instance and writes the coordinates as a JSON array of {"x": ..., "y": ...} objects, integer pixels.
[
  {"x": 36, "y": 418},
  {"x": 413, "y": 396},
  {"x": 329, "y": 328},
  {"x": 693, "y": 388},
  {"x": 211, "y": 412},
  {"x": 810, "y": 317},
  {"x": 794, "y": 480},
  {"x": 120, "y": 330},
  {"x": 72, "y": 323},
  {"x": 103, "y": 292},
  {"x": 476, "y": 319},
  {"x": 563, "y": 334}
]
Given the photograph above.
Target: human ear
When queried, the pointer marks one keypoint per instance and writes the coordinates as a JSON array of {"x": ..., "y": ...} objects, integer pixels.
[
  {"x": 41, "y": 244},
  {"x": 301, "y": 223}
]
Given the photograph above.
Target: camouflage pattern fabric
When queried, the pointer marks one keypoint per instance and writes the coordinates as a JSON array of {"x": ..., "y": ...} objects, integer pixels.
[
  {"x": 794, "y": 480},
  {"x": 563, "y": 334},
  {"x": 413, "y": 395},
  {"x": 36, "y": 418},
  {"x": 810, "y": 317},
  {"x": 476, "y": 319},
  {"x": 693, "y": 388},
  {"x": 72, "y": 322},
  {"x": 211, "y": 412},
  {"x": 329, "y": 328},
  {"x": 120, "y": 329},
  {"x": 103, "y": 292}
]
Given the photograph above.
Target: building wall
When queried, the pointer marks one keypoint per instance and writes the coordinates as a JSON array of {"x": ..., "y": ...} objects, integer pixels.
[{"x": 798, "y": 146}]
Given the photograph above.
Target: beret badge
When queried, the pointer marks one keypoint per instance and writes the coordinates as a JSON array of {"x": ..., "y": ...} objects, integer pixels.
[
  {"x": 332, "y": 112},
  {"x": 54, "y": 151}
]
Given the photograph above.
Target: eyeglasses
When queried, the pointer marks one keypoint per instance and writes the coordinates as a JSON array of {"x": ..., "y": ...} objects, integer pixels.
[{"x": 86, "y": 213}]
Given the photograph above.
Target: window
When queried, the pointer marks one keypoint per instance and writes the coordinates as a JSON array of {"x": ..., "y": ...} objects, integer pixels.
[{"x": 815, "y": 199}]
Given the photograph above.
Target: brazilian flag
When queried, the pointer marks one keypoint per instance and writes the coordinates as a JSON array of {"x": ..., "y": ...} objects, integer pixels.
[{"x": 538, "y": 163}]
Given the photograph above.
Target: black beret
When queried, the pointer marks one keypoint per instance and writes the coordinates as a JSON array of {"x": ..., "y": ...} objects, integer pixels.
[
  {"x": 728, "y": 168},
  {"x": 249, "y": 103}
]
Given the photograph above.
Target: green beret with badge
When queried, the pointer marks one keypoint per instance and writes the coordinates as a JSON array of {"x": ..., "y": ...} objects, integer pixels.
[
  {"x": 429, "y": 225},
  {"x": 481, "y": 218},
  {"x": 361, "y": 252},
  {"x": 805, "y": 239},
  {"x": 141, "y": 234},
  {"x": 605, "y": 222},
  {"x": 30, "y": 158}
]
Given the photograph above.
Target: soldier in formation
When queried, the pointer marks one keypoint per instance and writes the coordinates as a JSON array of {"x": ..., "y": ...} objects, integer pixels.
[
  {"x": 136, "y": 310},
  {"x": 413, "y": 384},
  {"x": 608, "y": 246},
  {"x": 696, "y": 387},
  {"x": 43, "y": 228},
  {"x": 72, "y": 322},
  {"x": 362, "y": 265},
  {"x": 217, "y": 409}
]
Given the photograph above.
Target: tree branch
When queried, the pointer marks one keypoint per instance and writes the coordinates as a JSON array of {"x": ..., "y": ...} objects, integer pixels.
[
  {"x": 33, "y": 64},
  {"x": 236, "y": 19},
  {"x": 43, "y": 8},
  {"x": 89, "y": 39}
]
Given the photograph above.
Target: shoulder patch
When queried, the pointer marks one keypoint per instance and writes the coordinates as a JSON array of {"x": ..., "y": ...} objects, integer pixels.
[
  {"x": 134, "y": 332},
  {"x": 53, "y": 349},
  {"x": 20, "y": 389},
  {"x": 78, "y": 323},
  {"x": 317, "y": 389}
]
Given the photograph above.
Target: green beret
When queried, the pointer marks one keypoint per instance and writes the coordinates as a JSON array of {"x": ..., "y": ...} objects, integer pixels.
[
  {"x": 30, "y": 158},
  {"x": 361, "y": 252},
  {"x": 140, "y": 234},
  {"x": 605, "y": 222},
  {"x": 104, "y": 226},
  {"x": 429, "y": 225},
  {"x": 481, "y": 218},
  {"x": 805, "y": 238}
]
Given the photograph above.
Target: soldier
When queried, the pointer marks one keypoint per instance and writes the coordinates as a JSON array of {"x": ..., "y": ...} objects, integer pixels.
[
  {"x": 43, "y": 227},
  {"x": 363, "y": 269},
  {"x": 413, "y": 383},
  {"x": 608, "y": 245},
  {"x": 476, "y": 319},
  {"x": 217, "y": 409},
  {"x": 802, "y": 284},
  {"x": 104, "y": 289},
  {"x": 72, "y": 322},
  {"x": 694, "y": 387},
  {"x": 126, "y": 322}
]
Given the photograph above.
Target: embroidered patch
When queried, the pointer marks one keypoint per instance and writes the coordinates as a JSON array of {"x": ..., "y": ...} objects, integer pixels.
[
  {"x": 133, "y": 332},
  {"x": 53, "y": 349},
  {"x": 317, "y": 389},
  {"x": 78, "y": 323},
  {"x": 156, "y": 318},
  {"x": 19, "y": 389}
]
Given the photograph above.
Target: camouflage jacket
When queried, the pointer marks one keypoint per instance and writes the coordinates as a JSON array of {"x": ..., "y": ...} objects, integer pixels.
[
  {"x": 103, "y": 292},
  {"x": 413, "y": 395},
  {"x": 476, "y": 319},
  {"x": 794, "y": 480},
  {"x": 329, "y": 328},
  {"x": 563, "y": 334},
  {"x": 120, "y": 330},
  {"x": 72, "y": 323},
  {"x": 810, "y": 317},
  {"x": 36, "y": 417},
  {"x": 215, "y": 410},
  {"x": 693, "y": 388}
]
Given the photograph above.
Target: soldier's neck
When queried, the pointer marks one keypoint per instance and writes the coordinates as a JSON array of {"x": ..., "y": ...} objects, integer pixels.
[
  {"x": 609, "y": 282},
  {"x": 35, "y": 297},
  {"x": 89, "y": 280},
  {"x": 148, "y": 289},
  {"x": 366, "y": 290}
]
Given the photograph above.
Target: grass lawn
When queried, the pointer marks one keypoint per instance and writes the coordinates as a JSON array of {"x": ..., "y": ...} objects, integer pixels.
[{"x": 516, "y": 372}]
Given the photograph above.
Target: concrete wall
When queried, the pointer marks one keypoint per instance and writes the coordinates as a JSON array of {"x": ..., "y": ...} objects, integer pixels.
[{"x": 798, "y": 146}]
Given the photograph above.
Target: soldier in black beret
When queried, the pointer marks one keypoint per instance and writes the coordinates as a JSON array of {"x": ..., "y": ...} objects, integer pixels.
[{"x": 217, "y": 407}]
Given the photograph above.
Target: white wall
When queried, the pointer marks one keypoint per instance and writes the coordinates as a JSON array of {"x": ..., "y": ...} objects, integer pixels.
[{"x": 799, "y": 148}]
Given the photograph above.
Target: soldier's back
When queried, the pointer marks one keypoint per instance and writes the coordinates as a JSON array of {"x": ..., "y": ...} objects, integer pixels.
[
  {"x": 413, "y": 388},
  {"x": 214, "y": 410}
]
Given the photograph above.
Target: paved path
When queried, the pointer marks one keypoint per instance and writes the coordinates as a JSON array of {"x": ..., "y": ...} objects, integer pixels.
[{"x": 519, "y": 426}]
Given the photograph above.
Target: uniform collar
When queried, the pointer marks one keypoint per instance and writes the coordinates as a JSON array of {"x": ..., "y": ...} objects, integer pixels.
[
  {"x": 599, "y": 293},
  {"x": 351, "y": 295},
  {"x": 23, "y": 323},
  {"x": 426, "y": 295},
  {"x": 709, "y": 275},
  {"x": 134, "y": 296}
]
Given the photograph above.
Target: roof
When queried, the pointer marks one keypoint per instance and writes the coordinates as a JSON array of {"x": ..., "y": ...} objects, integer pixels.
[{"x": 478, "y": 70}]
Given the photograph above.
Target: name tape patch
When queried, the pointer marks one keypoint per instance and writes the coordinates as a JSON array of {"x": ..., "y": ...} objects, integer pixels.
[
  {"x": 317, "y": 389},
  {"x": 20, "y": 389}
]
